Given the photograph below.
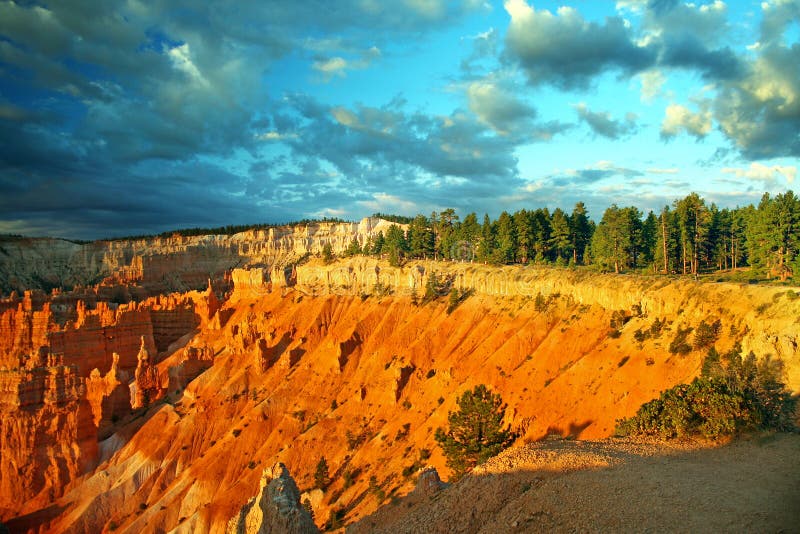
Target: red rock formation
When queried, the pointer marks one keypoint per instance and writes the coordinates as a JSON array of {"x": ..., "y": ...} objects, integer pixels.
[
  {"x": 193, "y": 361},
  {"x": 368, "y": 380},
  {"x": 146, "y": 386},
  {"x": 23, "y": 329},
  {"x": 109, "y": 396},
  {"x": 47, "y": 435}
]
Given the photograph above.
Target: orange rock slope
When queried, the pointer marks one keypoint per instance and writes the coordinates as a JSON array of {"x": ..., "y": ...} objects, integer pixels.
[{"x": 344, "y": 365}]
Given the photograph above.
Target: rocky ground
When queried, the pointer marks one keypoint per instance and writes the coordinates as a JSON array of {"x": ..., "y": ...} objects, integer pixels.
[{"x": 612, "y": 485}]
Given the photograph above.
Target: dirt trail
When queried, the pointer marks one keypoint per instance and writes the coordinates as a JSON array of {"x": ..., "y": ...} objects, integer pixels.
[{"x": 751, "y": 485}]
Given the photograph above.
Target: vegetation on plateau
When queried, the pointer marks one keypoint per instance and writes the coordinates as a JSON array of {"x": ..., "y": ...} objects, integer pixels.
[
  {"x": 688, "y": 237},
  {"x": 229, "y": 229},
  {"x": 733, "y": 394},
  {"x": 475, "y": 432}
]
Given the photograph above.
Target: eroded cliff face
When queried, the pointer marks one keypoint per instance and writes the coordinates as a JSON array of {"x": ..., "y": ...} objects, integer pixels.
[
  {"x": 162, "y": 265},
  {"x": 337, "y": 361},
  {"x": 65, "y": 384},
  {"x": 764, "y": 319}
]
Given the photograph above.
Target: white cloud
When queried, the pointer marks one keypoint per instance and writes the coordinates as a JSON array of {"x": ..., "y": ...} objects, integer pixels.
[
  {"x": 338, "y": 66},
  {"x": 181, "y": 57},
  {"x": 568, "y": 51},
  {"x": 345, "y": 117},
  {"x": 334, "y": 66},
  {"x": 274, "y": 136},
  {"x": 679, "y": 118},
  {"x": 652, "y": 81},
  {"x": 662, "y": 171},
  {"x": 386, "y": 203},
  {"x": 761, "y": 172}
]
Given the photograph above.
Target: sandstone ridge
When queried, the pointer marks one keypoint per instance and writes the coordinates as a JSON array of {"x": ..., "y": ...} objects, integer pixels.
[{"x": 164, "y": 264}]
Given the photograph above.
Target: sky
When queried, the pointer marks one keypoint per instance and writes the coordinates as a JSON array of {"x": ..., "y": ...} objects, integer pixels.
[{"x": 126, "y": 117}]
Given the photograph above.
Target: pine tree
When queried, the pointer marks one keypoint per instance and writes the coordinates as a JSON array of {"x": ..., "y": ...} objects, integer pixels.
[
  {"x": 395, "y": 244},
  {"x": 321, "y": 476},
  {"x": 611, "y": 243},
  {"x": 446, "y": 234},
  {"x": 486, "y": 245},
  {"x": 580, "y": 232},
  {"x": 540, "y": 225},
  {"x": 522, "y": 227},
  {"x": 469, "y": 232},
  {"x": 353, "y": 249},
  {"x": 561, "y": 241},
  {"x": 475, "y": 431},
  {"x": 649, "y": 232},
  {"x": 420, "y": 238},
  {"x": 773, "y": 236},
  {"x": 378, "y": 244},
  {"x": 506, "y": 239},
  {"x": 693, "y": 219},
  {"x": 633, "y": 220},
  {"x": 666, "y": 254}
]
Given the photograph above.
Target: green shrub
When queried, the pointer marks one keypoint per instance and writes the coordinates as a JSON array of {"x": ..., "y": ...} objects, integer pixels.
[
  {"x": 679, "y": 344},
  {"x": 618, "y": 319},
  {"x": 733, "y": 394},
  {"x": 434, "y": 288},
  {"x": 336, "y": 519},
  {"x": 704, "y": 407},
  {"x": 657, "y": 326},
  {"x": 327, "y": 253},
  {"x": 706, "y": 334},
  {"x": 540, "y": 303},
  {"x": 321, "y": 476}
]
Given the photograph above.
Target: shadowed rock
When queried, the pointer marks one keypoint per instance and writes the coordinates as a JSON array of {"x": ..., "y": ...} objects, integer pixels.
[{"x": 276, "y": 507}]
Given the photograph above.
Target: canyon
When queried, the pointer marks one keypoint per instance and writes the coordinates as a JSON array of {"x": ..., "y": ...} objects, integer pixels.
[{"x": 157, "y": 385}]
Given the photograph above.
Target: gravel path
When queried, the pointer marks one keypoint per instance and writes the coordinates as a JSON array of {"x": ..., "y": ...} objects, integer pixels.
[{"x": 750, "y": 485}]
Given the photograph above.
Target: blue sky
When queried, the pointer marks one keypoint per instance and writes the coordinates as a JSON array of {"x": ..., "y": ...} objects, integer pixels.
[{"x": 126, "y": 116}]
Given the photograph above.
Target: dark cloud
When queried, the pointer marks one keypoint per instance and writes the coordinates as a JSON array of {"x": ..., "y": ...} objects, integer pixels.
[
  {"x": 756, "y": 104},
  {"x": 499, "y": 109},
  {"x": 688, "y": 52},
  {"x": 761, "y": 112},
  {"x": 590, "y": 175},
  {"x": 602, "y": 124},
  {"x": 127, "y": 111},
  {"x": 567, "y": 51}
]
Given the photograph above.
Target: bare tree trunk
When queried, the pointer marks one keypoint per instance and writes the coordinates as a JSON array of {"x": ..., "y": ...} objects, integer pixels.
[
  {"x": 664, "y": 242},
  {"x": 683, "y": 246}
]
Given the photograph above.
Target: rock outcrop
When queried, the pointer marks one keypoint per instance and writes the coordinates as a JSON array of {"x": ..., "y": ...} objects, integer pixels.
[
  {"x": 166, "y": 264},
  {"x": 146, "y": 386},
  {"x": 276, "y": 507},
  {"x": 429, "y": 483},
  {"x": 109, "y": 396},
  {"x": 47, "y": 434}
]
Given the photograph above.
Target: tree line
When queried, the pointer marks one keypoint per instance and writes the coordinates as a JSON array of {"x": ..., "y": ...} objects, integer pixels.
[{"x": 687, "y": 237}]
